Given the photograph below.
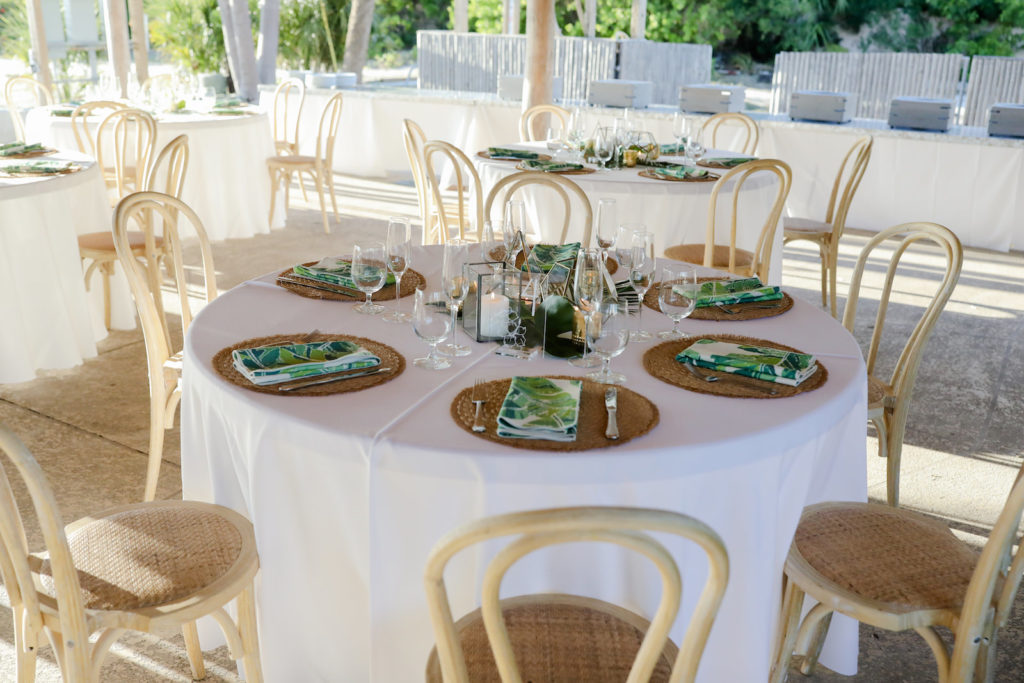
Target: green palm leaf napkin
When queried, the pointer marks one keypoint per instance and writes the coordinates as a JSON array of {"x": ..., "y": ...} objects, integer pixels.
[
  {"x": 12, "y": 148},
  {"x": 728, "y": 292},
  {"x": 506, "y": 153},
  {"x": 63, "y": 112},
  {"x": 229, "y": 111},
  {"x": 673, "y": 148},
  {"x": 38, "y": 167},
  {"x": 728, "y": 162},
  {"x": 265, "y": 365},
  {"x": 678, "y": 171},
  {"x": 540, "y": 408},
  {"x": 759, "y": 362},
  {"x": 333, "y": 271},
  {"x": 543, "y": 257},
  {"x": 550, "y": 166},
  {"x": 227, "y": 103}
]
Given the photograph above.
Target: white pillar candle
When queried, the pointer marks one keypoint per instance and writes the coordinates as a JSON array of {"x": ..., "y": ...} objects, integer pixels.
[{"x": 493, "y": 315}]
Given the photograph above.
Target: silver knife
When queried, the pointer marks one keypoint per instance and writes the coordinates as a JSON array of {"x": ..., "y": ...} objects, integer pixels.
[
  {"x": 611, "y": 404},
  {"x": 327, "y": 380}
]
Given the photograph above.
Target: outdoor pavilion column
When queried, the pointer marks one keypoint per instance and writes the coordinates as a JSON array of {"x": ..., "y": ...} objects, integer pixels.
[
  {"x": 638, "y": 25},
  {"x": 115, "y": 19},
  {"x": 460, "y": 21},
  {"x": 540, "y": 53},
  {"x": 137, "y": 19},
  {"x": 510, "y": 17},
  {"x": 37, "y": 34}
]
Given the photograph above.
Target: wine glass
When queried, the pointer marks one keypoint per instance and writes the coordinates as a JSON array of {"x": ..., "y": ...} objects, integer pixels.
[
  {"x": 641, "y": 276},
  {"x": 588, "y": 287},
  {"x": 577, "y": 133},
  {"x": 608, "y": 337},
  {"x": 399, "y": 248},
  {"x": 679, "y": 130},
  {"x": 431, "y": 323},
  {"x": 624, "y": 243},
  {"x": 553, "y": 140},
  {"x": 677, "y": 296},
  {"x": 488, "y": 242},
  {"x": 604, "y": 145},
  {"x": 694, "y": 144},
  {"x": 456, "y": 285},
  {"x": 369, "y": 271},
  {"x": 514, "y": 223},
  {"x": 607, "y": 224}
]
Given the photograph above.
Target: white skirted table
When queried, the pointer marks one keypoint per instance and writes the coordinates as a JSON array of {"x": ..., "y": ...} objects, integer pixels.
[
  {"x": 349, "y": 492},
  {"x": 46, "y": 321}
]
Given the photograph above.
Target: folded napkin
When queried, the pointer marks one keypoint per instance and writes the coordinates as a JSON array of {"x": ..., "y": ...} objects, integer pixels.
[
  {"x": 12, "y": 148},
  {"x": 728, "y": 162},
  {"x": 550, "y": 166},
  {"x": 275, "y": 364},
  {"x": 759, "y": 362},
  {"x": 40, "y": 166},
  {"x": 678, "y": 171},
  {"x": 506, "y": 153},
  {"x": 727, "y": 292},
  {"x": 544, "y": 256},
  {"x": 63, "y": 111},
  {"x": 227, "y": 102},
  {"x": 228, "y": 111},
  {"x": 673, "y": 148},
  {"x": 540, "y": 408},
  {"x": 334, "y": 271}
]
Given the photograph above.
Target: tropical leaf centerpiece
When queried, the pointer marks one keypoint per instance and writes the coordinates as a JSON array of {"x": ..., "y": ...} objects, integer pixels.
[
  {"x": 543, "y": 257},
  {"x": 540, "y": 408},
  {"x": 274, "y": 364},
  {"x": 760, "y": 362}
]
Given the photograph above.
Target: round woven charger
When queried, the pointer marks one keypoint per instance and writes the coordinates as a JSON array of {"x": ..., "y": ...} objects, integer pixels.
[
  {"x": 484, "y": 154},
  {"x": 31, "y": 155},
  {"x": 389, "y": 358},
  {"x": 709, "y": 178},
  {"x": 575, "y": 171},
  {"x": 636, "y": 416},
  {"x": 660, "y": 362},
  {"x": 747, "y": 311},
  {"x": 410, "y": 281}
]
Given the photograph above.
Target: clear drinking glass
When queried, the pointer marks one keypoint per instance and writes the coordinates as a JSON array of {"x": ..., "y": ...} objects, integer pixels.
[
  {"x": 369, "y": 271},
  {"x": 624, "y": 244},
  {"x": 607, "y": 224},
  {"x": 514, "y": 223},
  {"x": 679, "y": 128},
  {"x": 604, "y": 145},
  {"x": 694, "y": 143},
  {"x": 677, "y": 296},
  {"x": 431, "y": 323},
  {"x": 455, "y": 282},
  {"x": 489, "y": 243},
  {"x": 641, "y": 276},
  {"x": 589, "y": 289},
  {"x": 399, "y": 247},
  {"x": 608, "y": 337}
]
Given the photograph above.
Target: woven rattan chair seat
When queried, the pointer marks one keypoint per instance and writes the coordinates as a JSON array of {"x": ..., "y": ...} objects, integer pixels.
[
  {"x": 805, "y": 225},
  {"x": 104, "y": 241},
  {"x": 877, "y": 392},
  {"x": 149, "y": 556},
  {"x": 556, "y": 642},
  {"x": 292, "y": 160},
  {"x": 694, "y": 253},
  {"x": 885, "y": 554}
]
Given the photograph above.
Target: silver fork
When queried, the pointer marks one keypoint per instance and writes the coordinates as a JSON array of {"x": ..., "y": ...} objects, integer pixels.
[
  {"x": 700, "y": 374},
  {"x": 479, "y": 401},
  {"x": 732, "y": 311}
]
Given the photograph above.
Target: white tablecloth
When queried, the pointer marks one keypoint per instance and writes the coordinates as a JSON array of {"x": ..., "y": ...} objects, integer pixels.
[
  {"x": 46, "y": 321},
  {"x": 227, "y": 183},
  {"x": 348, "y": 493}
]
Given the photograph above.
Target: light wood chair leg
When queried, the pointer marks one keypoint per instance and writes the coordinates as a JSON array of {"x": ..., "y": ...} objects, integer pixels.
[
  {"x": 156, "y": 447},
  {"x": 323, "y": 205},
  {"x": 302, "y": 185},
  {"x": 833, "y": 260},
  {"x": 789, "y": 626},
  {"x": 288, "y": 188},
  {"x": 938, "y": 649},
  {"x": 26, "y": 656},
  {"x": 194, "y": 651},
  {"x": 823, "y": 253},
  {"x": 247, "y": 630},
  {"x": 274, "y": 180},
  {"x": 105, "y": 271},
  {"x": 812, "y": 637},
  {"x": 329, "y": 179}
]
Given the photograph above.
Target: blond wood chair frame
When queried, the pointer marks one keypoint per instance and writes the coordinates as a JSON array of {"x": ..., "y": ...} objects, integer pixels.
[
  {"x": 164, "y": 362},
  {"x": 889, "y": 412},
  {"x": 414, "y": 139},
  {"x": 527, "y": 117},
  {"x": 37, "y": 88},
  {"x": 562, "y": 186},
  {"x": 459, "y": 214},
  {"x": 320, "y": 167},
  {"x": 986, "y": 604},
  {"x": 729, "y": 119},
  {"x": 134, "y": 131},
  {"x": 541, "y": 528},
  {"x": 67, "y": 623},
  {"x": 828, "y": 233},
  {"x": 84, "y": 138},
  {"x": 286, "y": 140},
  {"x": 759, "y": 260}
]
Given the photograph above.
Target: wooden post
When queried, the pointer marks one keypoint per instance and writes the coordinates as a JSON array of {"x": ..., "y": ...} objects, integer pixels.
[
  {"x": 116, "y": 20},
  {"x": 638, "y": 25},
  {"x": 37, "y": 34},
  {"x": 590, "y": 18},
  {"x": 511, "y": 17},
  {"x": 460, "y": 20},
  {"x": 137, "y": 20},
  {"x": 540, "y": 57}
]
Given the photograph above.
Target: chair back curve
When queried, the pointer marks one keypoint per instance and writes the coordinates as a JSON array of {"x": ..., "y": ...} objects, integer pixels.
[
  {"x": 85, "y": 138},
  {"x": 748, "y": 136},
  {"x": 563, "y": 187},
  {"x": 327, "y": 133},
  {"x": 286, "y": 138},
  {"x": 39, "y": 93},
  {"x": 134, "y": 137},
  {"x": 414, "y": 139},
  {"x": 854, "y": 165},
  {"x": 466, "y": 176},
  {"x": 526, "y": 133},
  {"x": 170, "y": 166}
]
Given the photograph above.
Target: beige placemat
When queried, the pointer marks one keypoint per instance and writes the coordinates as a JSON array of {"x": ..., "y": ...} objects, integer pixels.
[
  {"x": 636, "y": 416},
  {"x": 748, "y": 311},
  {"x": 410, "y": 281},
  {"x": 484, "y": 154},
  {"x": 389, "y": 358},
  {"x": 646, "y": 173},
  {"x": 660, "y": 362}
]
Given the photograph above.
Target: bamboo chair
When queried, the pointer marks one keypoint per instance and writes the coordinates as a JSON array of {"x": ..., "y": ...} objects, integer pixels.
[
  {"x": 459, "y": 217},
  {"x": 889, "y": 401},
  {"x": 729, "y": 257},
  {"x": 826, "y": 233},
  {"x": 320, "y": 167},
  {"x": 562, "y": 186},
  {"x": 139, "y": 567},
  {"x": 40, "y": 95},
  {"x": 527, "y": 117},
  {"x": 588, "y": 639},
  {"x": 286, "y": 138},
  {"x": 134, "y": 139},
  {"x": 84, "y": 137},
  {"x": 750, "y": 133},
  {"x": 414, "y": 139},
  {"x": 900, "y": 570}
]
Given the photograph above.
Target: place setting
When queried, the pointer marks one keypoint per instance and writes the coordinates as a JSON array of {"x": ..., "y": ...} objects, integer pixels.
[
  {"x": 33, "y": 168},
  {"x": 718, "y": 298},
  {"x": 511, "y": 154},
  {"x": 22, "y": 150}
]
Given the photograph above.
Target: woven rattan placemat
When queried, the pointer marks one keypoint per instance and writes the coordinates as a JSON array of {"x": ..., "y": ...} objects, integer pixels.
[
  {"x": 636, "y": 416},
  {"x": 73, "y": 169},
  {"x": 389, "y": 358},
  {"x": 45, "y": 151},
  {"x": 410, "y": 281},
  {"x": 748, "y": 311},
  {"x": 660, "y": 362}
]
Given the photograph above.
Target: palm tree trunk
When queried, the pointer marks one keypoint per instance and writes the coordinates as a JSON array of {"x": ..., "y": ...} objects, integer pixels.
[
  {"x": 357, "y": 39},
  {"x": 270, "y": 23},
  {"x": 638, "y": 22},
  {"x": 37, "y": 35},
  {"x": 137, "y": 21},
  {"x": 540, "y": 57},
  {"x": 229, "y": 38},
  {"x": 238, "y": 40},
  {"x": 117, "y": 41}
]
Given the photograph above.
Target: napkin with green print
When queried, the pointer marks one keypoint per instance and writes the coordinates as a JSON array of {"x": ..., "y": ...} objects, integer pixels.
[
  {"x": 12, "y": 148},
  {"x": 544, "y": 256},
  {"x": 730, "y": 292},
  {"x": 506, "y": 153},
  {"x": 760, "y": 362},
  {"x": 333, "y": 271},
  {"x": 62, "y": 111},
  {"x": 540, "y": 408},
  {"x": 227, "y": 102},
  {"x": 728, "y": 162},
  {"x": 265, "y": 365},
  {"x": 673, "y": 148},
  {"x": 678, "y": 171},
  {"x": 550, "y": 166},
  {"x": 37, "y": 167}
]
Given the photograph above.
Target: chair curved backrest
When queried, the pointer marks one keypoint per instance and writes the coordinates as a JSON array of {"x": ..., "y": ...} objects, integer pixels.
[
  {"x": 527, "y": 117},
  {"x": 174, "y": 158},
  {"x": 465, "y": 173},
  {"x": 134, "y": 137},
  {"x": 327, "y": 132},
  {"x": 562, "y": 186},
  {"x": 286, "y": 138},
  {"x": 855, "y": 163},
  {"x": 749, "y": 135},
  {"x": 40, "y": 95},
  {"x": 542, "y": 528},
  {"x": 84, "y": 137},
  {"x": 414, "y": 139},
  {"x": 905, "y": 371},
  {"x": 732, "y": 181}
]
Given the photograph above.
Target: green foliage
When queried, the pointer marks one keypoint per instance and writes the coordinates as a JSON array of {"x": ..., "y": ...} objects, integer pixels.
[
  {"x": 395, "y": 23},
  {"x": 14, "y": 40},
  {"x": 303, "y": 40},
  {"x": 188, "y": 33},
  {"x": 988, "y": 27}
]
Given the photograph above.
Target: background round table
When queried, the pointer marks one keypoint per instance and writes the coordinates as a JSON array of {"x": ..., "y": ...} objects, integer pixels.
[{"x": 349, "y": 492}]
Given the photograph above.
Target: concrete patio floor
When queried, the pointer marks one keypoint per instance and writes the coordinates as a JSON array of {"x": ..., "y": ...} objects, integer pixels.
[{"x": 89, "y": 426}]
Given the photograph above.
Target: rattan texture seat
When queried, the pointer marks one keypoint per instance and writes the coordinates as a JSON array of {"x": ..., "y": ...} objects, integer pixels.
[
  {"x": 808, "y": 225},
  {"x": 877, "y": 393},
  {"x": 694, "y": 253}
]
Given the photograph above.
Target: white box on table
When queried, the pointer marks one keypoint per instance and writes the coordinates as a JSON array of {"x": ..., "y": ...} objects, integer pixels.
[
  {"x": 510, "y": 87},
  {"x": 922, "y": 113},
  {"x": 1006, "y": 119},
  {"x": 822, "y": 105},
  {"x": 616, "y": 93},
  {"x": 707, "y": 98}
]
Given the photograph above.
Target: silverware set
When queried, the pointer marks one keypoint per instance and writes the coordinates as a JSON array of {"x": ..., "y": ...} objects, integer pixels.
[
  {"x": 704, "y": 376},
  {"x": 732, "y": 311},
  {"x": 314, "y": 381}
]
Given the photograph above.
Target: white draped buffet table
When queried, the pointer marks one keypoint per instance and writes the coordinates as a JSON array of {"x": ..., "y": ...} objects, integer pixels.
[{"x": 348, "y": 493}]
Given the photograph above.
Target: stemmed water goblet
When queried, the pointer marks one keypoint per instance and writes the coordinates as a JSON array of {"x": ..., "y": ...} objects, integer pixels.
[
  {"x": 694, "y": 144},
  {"x": 399, "y": 249},
  {"x": 604, "y": 145},
  {"x": 607, "y": 224},
  {"x": 608, "y": 337},
  {"x": 369, "y": 271},
  {"x": 624, "y": 244},
  {"x": 432, "y": 324},
  {"x": 679, "y": 130},
  {"x": 588, "y": 287},
  {"x": 677, "y": 296},
  {"x": 513, "y": 225},
  {"x": 641, "y": 276},
  {"x": 456, "y": 285}
]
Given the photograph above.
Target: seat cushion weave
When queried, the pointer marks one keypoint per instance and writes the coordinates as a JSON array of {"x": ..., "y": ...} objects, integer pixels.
[
  {"x": 104, "y": 241},
  {"x": 694, "y": 253},
  {"x": 877, "y": 391},
  {"x": 808, "y": 225},
  {"x": 555, "y": 642},
  {"x": 291, "y": 160},
  {"x": 889, "y": 555},
  {"x": 149, "y": 556}
]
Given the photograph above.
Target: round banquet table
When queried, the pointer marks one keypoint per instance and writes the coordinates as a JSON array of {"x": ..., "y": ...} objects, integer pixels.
[
  {"x": 676, "y": 212},
  {"x": 226, "y": 184},
  {"x": 348, "y": 493},
  {"x": 48, "y": 320}
]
